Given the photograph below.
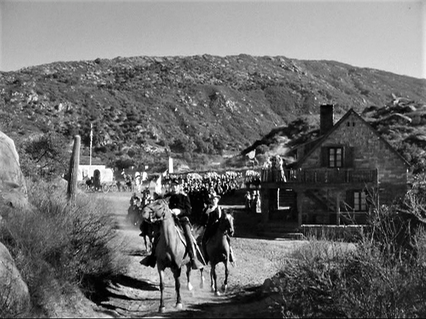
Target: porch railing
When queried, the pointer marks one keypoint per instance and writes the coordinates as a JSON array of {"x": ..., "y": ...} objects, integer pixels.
[{"x": 320, "y": 175}]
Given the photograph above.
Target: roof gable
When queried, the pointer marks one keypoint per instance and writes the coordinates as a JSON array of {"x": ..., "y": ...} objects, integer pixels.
[{"x": 338, "y": 124}]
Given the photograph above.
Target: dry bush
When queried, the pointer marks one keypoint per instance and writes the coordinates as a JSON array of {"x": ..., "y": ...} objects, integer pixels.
[
  {"x": 383, "y": 277},
  {"x": 57, "y": 245},
  {"x": 322, "y": 281}
]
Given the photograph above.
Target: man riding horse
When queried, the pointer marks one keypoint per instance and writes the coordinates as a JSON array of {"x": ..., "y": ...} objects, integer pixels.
[
  {"x": 210, "y": 221},
  {"x": 180, "y": 205}
]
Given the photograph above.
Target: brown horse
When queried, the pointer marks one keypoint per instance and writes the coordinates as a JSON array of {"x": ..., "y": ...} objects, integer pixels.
[
  {"x": 171, "y": 249},
  {"x": 147, "y": 233},
  {"x": 218, "y": 249}
]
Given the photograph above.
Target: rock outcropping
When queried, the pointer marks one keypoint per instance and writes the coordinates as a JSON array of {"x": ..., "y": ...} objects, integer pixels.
[
  {"x": 13, "y": 189},
  {"x": 14, "y": 295}
]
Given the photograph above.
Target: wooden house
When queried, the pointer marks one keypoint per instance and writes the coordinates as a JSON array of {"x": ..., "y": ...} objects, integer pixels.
[{"x": 336, "y": 179}]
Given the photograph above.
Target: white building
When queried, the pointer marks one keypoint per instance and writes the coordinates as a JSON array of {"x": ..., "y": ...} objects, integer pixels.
[{"x": 87, "y": 171}]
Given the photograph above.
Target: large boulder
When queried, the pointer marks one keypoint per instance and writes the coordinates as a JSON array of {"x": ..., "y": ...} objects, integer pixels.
[
  {"x": 13, "y": 189},
  {"x": 14, "y": 295}
]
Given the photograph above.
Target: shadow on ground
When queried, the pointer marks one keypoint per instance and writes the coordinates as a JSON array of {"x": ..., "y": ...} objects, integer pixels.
[
  {"x": 247, "y": 304},
  {"x": 105, "y": 291}
]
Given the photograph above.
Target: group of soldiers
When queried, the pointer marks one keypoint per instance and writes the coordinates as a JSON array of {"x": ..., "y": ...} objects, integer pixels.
[
  {"x": 199, "y": 188},
  {"x": 181, "y": 206},
  {"x": 137, "y": 202}
]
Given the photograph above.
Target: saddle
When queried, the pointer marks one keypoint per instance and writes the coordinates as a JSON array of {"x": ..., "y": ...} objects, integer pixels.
[
  {"x": 179, "y": 228},
  {"x": 181, "y": 232}
]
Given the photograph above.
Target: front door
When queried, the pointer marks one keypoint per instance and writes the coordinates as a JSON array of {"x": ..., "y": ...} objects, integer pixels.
[{"x": 286, "y": 206}]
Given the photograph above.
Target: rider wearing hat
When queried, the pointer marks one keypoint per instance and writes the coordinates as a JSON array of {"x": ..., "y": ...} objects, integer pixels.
[
  {"x": 211, "y": 216},
  {"x": 180, "y": 205}
]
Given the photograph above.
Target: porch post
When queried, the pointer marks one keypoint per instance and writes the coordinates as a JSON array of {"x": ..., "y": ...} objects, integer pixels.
[
  {"x": 338, "y": 209},
  {"x": 300, "y": 198},
  {"x": 264, "y": 204}
]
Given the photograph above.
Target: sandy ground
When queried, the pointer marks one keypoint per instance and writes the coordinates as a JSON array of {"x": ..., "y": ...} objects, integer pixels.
[{"x": 137, "y": 294}]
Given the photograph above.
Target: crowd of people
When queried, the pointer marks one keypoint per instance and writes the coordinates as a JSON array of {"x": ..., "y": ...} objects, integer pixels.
[
  {"x": 199, "y": 205},
  {"x": 200, "y": 187}
]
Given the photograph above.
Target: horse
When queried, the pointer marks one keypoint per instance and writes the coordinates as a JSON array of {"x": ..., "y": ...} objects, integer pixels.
[
  {"x": 147, "y": 233},
  {"x": 171, "y": 248},
  {"x": 218, "y": 249}
]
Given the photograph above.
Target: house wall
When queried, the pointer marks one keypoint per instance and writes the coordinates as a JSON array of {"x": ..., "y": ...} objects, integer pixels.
[{"x": 369, "y": 152}]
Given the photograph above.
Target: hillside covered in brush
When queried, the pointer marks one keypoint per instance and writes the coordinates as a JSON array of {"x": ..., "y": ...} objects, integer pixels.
[{"x": 193, "y": 107}]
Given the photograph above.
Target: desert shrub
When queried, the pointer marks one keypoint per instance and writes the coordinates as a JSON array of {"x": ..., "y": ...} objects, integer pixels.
[
  {"x": 44, "y": 156},
  {"x": 58, "y": 245},
  {"x": 322, "y": 281},
  {"x": 384, "y": 276}
]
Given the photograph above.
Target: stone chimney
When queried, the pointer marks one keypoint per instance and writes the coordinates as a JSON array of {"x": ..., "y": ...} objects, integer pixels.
[{"x": 326, "y": 118}]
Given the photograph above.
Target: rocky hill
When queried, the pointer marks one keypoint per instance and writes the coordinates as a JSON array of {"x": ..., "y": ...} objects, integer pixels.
[{"x": 194, "y": 106}]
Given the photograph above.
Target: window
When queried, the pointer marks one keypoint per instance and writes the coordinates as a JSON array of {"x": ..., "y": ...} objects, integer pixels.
[
  {"x": 360, "y": 201},
  {"x": 335, "y": 157}
]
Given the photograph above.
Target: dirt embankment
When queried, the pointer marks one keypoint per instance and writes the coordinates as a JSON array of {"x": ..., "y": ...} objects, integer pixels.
[{"x": 136, "y": 294}]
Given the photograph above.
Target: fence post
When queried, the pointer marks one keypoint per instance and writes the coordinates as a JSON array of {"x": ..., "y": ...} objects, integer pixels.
[{"x": 73, "y": 170}]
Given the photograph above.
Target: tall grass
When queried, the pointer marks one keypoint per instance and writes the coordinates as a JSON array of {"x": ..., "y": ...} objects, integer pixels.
[
  {"x": 384, "y": 276},
  {"x": 58, "y": 246}
]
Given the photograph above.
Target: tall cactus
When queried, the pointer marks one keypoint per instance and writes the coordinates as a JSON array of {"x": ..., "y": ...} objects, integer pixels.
[{"x": 72, "y": 174}]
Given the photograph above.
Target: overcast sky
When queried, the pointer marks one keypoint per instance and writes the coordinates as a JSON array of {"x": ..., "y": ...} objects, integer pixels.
[{"x": 384, "y": 35}]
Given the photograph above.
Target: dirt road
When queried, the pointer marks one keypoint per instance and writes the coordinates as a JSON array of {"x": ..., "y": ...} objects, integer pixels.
[{"x": 136, "y": 294}]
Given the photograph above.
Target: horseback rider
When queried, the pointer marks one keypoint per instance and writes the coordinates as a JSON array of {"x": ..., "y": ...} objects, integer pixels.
[
  {"x": 211, "y": 216},
  {"x": 133, "y": 212},
  {"x": 146, "y": 197},
  {"x": 180, "y": 205}
]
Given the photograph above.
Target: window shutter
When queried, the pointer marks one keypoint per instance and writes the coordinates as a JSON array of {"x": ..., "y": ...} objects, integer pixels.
[
  {"x": 324, "y": 157},
  {"x": 349, "y": 157}
]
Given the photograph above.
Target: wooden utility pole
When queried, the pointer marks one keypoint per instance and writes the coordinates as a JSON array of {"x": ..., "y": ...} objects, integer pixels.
[{"x": 72, "y": 174}]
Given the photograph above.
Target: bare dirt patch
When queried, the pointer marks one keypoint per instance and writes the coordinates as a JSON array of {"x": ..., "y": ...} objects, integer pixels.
[{"x": 136, "y": 294}]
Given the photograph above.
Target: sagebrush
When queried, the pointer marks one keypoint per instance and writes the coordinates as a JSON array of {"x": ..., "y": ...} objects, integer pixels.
[
  {"x": 383, "y": 275},
  {"x": 58, "y": 246}
]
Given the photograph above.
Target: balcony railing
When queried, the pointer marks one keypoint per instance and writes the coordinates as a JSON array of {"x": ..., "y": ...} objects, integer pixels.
[{"x": 320, "y": 175}]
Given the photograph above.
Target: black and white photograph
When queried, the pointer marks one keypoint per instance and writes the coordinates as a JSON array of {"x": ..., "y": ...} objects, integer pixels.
[{"x": 212, "y": 158}]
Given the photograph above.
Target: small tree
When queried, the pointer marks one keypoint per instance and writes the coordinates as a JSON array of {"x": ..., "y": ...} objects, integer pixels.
[{"x": 45, "y": 156}]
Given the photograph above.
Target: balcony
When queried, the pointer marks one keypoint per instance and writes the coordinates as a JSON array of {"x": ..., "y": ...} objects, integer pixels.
[{"x": 319, "y": 176}]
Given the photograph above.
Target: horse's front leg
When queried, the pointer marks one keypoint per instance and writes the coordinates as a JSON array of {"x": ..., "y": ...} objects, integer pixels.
[
  {"x": 213, "y": 277},
  {"x": 176, "y": 274},
  {"x": 188, "y": 277},
  {"x": 225, "y": 282},
  {"x": 146, "y": 244},
  {"x": 161, "y": 274}
]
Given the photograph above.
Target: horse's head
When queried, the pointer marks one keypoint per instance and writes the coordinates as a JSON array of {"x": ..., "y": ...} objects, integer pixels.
[
  {"x": 226, "y": 223},
  {"x": 156, "y": 210}
]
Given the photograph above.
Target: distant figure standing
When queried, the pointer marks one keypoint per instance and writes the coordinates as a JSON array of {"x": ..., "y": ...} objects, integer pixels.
[
  {"x": 257, "y": 208},
  {"x": 138, "y": 182},
  {"x": 247, "y": 197},
  {"x": 277, "y": 169}
]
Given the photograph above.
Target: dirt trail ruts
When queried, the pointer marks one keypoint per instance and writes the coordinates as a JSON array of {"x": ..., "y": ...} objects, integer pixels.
[{"x": 136, "y": 294}]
